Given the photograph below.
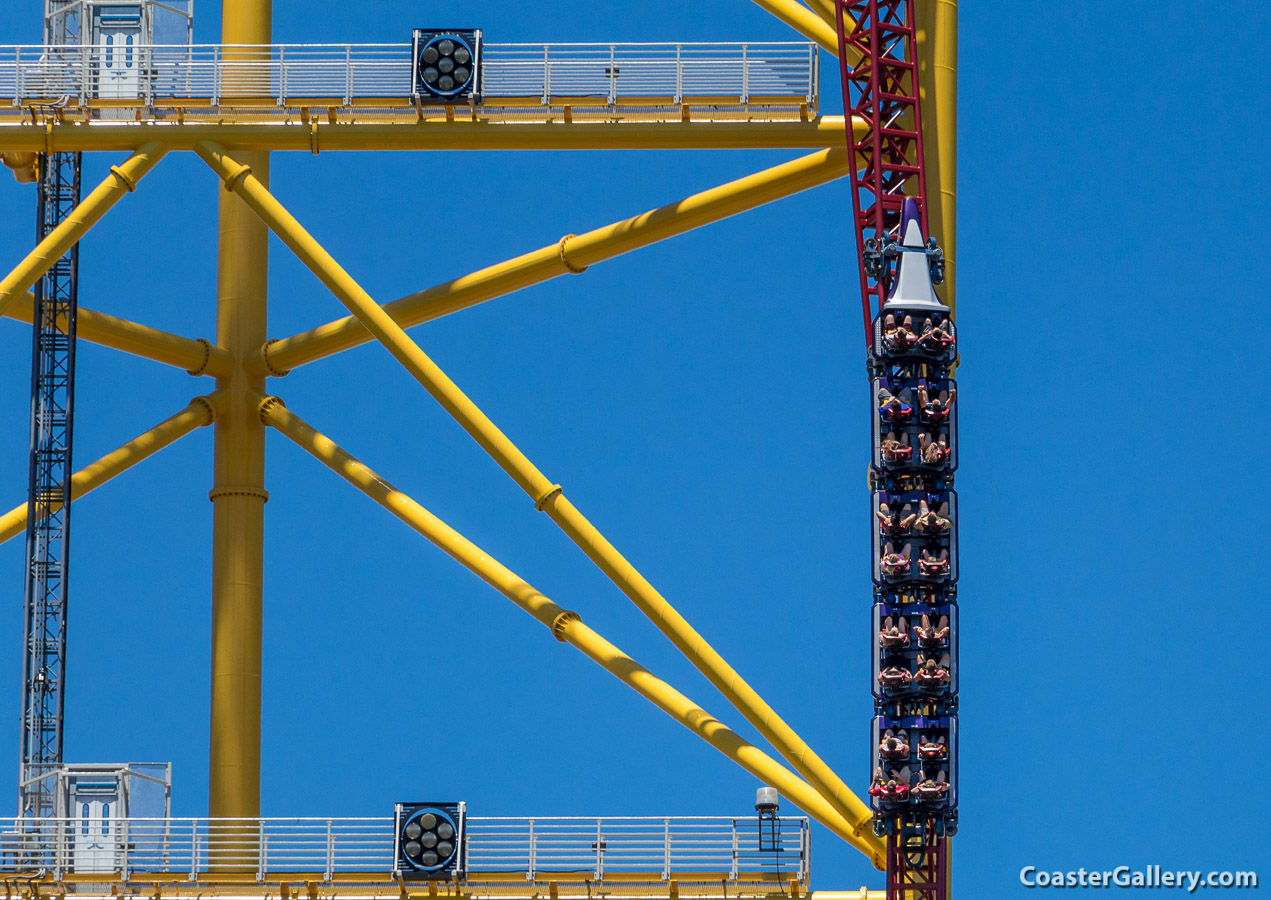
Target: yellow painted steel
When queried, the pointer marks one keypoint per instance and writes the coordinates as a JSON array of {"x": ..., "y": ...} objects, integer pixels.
[
  {"x": 572, "y": 253},
  {"x": 378, "y": 886},
  {"x": 821, "y": 131},
  {"x": 197, "y": 357},
  {"x": 568, "y": 626},
  {"x": 804, "y": 21},
  {"x": 238, "y": 488},
  {"x": 547, "y": 496},
  {"x": 121, "y": 180},
  {"x": 825, "y": 9},
  {"x": 200, "y": 411},
  {"x": 938, "y": 81}
]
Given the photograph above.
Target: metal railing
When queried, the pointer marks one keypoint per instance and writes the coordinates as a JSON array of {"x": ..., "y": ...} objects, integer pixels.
[
  {"x": 739, "y": 849},
  {"x": 283, "y": 75}
]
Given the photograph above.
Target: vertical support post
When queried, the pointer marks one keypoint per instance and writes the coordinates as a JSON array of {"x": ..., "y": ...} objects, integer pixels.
[
  {"x": 238, "y": 489},
  {"x": 938, "y": 83}
]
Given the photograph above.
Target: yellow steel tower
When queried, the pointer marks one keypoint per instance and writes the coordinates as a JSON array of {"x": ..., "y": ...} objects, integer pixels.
[{"x": 233, "y": 129}]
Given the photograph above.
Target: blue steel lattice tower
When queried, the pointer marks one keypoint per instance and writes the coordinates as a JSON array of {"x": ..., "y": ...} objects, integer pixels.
[
  {"x": 914, "y": 784},
  {"x": 49, "y": 473},
  {"x": 49, "y": 495}
]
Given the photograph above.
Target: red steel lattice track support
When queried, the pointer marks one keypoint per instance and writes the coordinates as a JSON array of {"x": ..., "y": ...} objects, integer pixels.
[
  {"x": 915, "y": 862},
  {"x": 881, "y": 90}
]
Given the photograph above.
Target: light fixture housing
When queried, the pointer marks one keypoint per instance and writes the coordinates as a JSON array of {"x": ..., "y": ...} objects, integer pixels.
[
  {"x": 428, "y": 839},
  {"x": 446, "y": 65}
]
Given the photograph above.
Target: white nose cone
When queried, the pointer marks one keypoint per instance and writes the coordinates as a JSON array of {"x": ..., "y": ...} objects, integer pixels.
[{"x": 913, "y": 288}]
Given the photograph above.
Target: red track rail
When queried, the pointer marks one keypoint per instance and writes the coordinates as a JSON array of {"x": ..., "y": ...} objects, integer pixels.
[{"x": 881, "y": 90}]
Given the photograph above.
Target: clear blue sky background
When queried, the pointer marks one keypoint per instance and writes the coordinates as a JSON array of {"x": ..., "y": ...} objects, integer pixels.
[{"x": 704, "y": 402}]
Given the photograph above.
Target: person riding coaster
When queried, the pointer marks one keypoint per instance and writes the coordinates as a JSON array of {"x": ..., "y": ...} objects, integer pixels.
[
  {"x": 893, "y": 789},
  {"x": 932, "y": 522},
  {"x": 931, "y": 673},
  {"x": 894, "y": 563},
  {"x": 894, "y": 523},
  {"x": 930, "y": 750},
  {"x": 937, "y": 334},
  {"x": 929, "y": 636},
  {"x": 892, "y": 407},
  {"x": 935, "y": 407},
  {"x": 894, "y": 676},
  {"x": 931, "y": 788},
  {"x": 931, "y": 564},
  {"x": 893, "y": 635},
  {"x": 898, "y": 335},
  {"x": 896, "y": 450},
  {"x": 894, "y": 746},
  {"x": 933, "y": 453}
]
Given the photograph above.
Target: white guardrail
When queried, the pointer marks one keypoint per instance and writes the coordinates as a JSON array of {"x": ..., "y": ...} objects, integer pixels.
[
  {"x": 160, "y": 75},
  {"x": 738, "y": 848}
]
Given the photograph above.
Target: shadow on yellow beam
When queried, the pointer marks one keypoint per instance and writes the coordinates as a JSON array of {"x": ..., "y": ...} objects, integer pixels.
[
  {"x": 200, "y": 411},
  {"x": 196, "y": 356}
]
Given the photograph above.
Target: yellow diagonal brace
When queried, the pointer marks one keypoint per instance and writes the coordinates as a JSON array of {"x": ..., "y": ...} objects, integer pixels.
[
  {"x": 804, "y": 21},
  {"x": 571, "y": 254},
  {"x": 201, "y": 411},
  {"x": 198, "y": 357},
  {"x": 546, "y": 495},
  {"x": 567, "y": 626},
  {"x": 824, "y": 9},
  {"x": 120, "y": 181}
]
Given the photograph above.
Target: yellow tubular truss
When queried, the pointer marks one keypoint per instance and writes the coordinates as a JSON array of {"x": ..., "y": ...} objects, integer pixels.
[
  {"x": 822, "y": 131},
  {"x": 571, "y": 254},
  {"x": 121, "y": 180},
  {"x": 567, "y": 626},
  {"x": 200, "y": 411},
  {"x": 197, "y": 357},
  {"x": 546, "y": 495}
]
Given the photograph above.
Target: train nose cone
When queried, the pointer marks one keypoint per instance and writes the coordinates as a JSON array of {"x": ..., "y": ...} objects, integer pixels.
[{"x": 913, "y": 289}]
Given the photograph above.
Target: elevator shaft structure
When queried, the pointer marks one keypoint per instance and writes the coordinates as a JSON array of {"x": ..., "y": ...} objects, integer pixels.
[{"x": 49, "y": 495}]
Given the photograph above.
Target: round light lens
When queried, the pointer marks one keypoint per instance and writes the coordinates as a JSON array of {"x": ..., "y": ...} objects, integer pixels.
[
  {"x": 430, "y": 858},
  {"x": 445, "y": 831},
  {"x": 462, "y": 74},
  {"x": 445, "y": 848},
  {"x": 428, "y": 821},
  {"x": 446, "y": 83},
  {"x": 429, "y": 840},
  {"x": 431, "y": 75},
  {"x": 412, "y": 848},
  {"x": 462, "y": 55},
  {"x": 413, "y": 831},
  {"x": 430, "y": 55},
  {"x": 446, "y": 48},
  {"x": 446, "y": 65}
]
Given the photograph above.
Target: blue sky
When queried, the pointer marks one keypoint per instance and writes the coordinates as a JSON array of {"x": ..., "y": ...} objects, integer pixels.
[{"x": 704, "y": 402}]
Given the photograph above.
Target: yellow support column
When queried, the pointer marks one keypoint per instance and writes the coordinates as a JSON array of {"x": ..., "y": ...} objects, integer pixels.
[
  {"x": 238, "y": 487},
  {"x": 938, "y": 82}
]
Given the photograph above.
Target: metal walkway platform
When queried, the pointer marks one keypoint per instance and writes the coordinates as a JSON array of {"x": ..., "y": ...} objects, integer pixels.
[
  {"x": 687, "y": 857},
  {"x": 520, "y": 82}
]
